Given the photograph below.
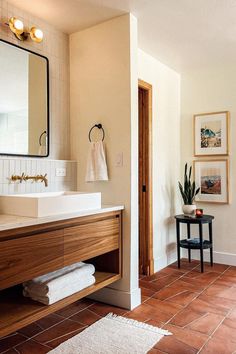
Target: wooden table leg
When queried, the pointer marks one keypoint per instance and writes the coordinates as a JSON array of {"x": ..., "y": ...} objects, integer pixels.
[
  {"x": 178, "y": 241},
  {"x": 201, "y": 247},
  {"x": 188, "y": 235},
  {"x": 211, "y": 241}
]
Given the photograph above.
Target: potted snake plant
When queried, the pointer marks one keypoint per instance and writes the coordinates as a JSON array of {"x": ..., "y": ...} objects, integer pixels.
[{"x": 188, "y": 191}]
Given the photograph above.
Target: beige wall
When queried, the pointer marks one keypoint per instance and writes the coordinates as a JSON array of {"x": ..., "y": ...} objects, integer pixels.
[
  {"x": 166, "y": 154},
  {"x": 104, "y": 90},
  {"x": 213, "y": 89},
  {"x": 55, "y": 46}
]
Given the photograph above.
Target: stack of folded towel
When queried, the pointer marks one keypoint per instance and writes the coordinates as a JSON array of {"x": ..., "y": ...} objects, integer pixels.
[{"x": 54, "y": 286}]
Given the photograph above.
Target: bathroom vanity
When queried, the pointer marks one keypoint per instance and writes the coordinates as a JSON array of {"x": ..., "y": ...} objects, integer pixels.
[{"x": 30, "y": 247}]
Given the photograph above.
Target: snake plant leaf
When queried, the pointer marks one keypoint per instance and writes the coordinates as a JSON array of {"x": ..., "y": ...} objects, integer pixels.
[
  {"x": 182, "y": 193},
  {"x": 193, "y": 189},
  {"x": 185, "y": 169},
  {"x": 190, "y": 172},
  {"x": 188, "y": 189}
]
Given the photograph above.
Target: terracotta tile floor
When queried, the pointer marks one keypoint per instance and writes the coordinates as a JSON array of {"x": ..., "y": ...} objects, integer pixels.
[{"x": 199, "y": 309}]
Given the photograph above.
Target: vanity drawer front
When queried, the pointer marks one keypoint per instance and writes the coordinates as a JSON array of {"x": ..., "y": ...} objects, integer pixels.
[
  {"x": 91, "y": 239},
  {"x": 27, "y": 257}
]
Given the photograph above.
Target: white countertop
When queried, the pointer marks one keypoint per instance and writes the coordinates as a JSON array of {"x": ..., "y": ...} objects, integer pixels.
[{"x": 8, "y": 222}]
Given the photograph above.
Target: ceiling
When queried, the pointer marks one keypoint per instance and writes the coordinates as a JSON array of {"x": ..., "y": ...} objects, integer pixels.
[{"x": 183, "y": 34}]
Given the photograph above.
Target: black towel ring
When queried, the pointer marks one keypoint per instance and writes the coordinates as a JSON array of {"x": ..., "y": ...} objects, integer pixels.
[
  {"x": 99, "y": 126},
  {"x": 40, "y": 138}
]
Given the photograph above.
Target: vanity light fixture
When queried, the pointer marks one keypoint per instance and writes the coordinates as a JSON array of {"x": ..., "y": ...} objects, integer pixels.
[
  {"x": 17, "y": 27},
  {"x": 36, "y": 34}
]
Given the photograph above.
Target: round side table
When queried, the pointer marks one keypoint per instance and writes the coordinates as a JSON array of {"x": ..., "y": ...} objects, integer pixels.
[{"x": 200, "y": 244}]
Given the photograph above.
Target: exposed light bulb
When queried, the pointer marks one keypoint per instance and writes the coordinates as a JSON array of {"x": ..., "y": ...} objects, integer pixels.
[
  {"x": 18, "y": 24},
  {"x": 36, "y": 34},
  {"x": 39, "y": 33}
]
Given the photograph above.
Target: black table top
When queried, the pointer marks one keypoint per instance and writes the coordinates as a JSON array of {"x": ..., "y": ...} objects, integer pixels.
[{"x": 193, "y": 220}]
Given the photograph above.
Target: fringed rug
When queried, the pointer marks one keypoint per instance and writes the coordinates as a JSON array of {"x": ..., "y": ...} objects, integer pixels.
[{"x": 113, "y": 335}]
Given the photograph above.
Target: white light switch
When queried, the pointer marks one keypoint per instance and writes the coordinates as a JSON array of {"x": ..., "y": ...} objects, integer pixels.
[
  {"x": 61, "y": 172},
  {"x": 119, "y": 159}
]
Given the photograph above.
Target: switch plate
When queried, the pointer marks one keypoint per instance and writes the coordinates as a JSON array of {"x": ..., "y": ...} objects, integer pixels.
[
  {"x": 61, "y": 172},
  {"x": 119, "y": 159}
]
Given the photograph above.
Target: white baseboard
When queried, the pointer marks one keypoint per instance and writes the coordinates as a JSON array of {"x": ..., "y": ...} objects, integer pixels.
[
  {"x": 164, "y": 261},
  {"x": 127, "y": 300},
  {"x": 218, "y": 257}
]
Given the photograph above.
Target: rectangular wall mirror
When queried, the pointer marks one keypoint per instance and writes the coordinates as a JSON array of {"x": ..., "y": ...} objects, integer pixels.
[{"x": 24, "y": 102}]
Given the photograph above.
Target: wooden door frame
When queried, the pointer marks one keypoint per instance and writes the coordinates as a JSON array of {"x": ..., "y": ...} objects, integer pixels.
[{"x": 149, "y": 238}]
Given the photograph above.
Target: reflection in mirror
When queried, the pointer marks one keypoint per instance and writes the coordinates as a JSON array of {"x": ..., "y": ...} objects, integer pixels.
[{"x": 23, "y": 102}]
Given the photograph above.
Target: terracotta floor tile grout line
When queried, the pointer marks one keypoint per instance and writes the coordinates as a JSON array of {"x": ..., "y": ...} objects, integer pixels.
[
  {"x": 44, "y": 344},
  {"x": 76, "y": 313},
  {"x": 168, "y": 285},
  {"x": 184, "y": 274},
  {"x": 12, "y": 335},
  {"x": 5, "y": 351},
  {"x": 29, "y": 339},
  {"x": 172, "y": 296},
  {"x": 55, "y": 324},
  {"x": 212, "y": 334},
  {"x": 84, "y": 308},
  {"x": 62, "y": 320},
  {"x": 125, "y": 311},
  {"x": 196, "y": 297},
  {"x": 186, "y": 326},
  {"x": 66, "y": 334},
  {"x": 169, "y": 275},
  {"x": 9, "y": 335},
  {"x": 164, "y": 276}
]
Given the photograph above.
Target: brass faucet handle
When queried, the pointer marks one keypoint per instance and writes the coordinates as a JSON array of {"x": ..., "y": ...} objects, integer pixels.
[
  {"x": 17, "y": 178},
  {"x": 25, "y": 178}
]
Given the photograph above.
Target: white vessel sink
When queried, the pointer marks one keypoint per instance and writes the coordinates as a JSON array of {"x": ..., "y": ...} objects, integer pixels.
[{"x": 46, "y": 204}]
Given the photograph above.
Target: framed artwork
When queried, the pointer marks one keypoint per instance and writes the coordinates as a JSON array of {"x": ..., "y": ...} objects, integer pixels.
[
  {"x": 211, "y": 134},
  {"x": 212, "y": 178}
]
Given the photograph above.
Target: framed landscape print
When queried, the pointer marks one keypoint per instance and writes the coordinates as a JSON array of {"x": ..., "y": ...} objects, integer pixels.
[
  {"x": 211, "y": 134},
  {"x": 212, "y": 178}
]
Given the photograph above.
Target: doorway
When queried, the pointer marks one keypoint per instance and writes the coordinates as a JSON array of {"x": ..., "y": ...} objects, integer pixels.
[{"x": 146, "y": 262}]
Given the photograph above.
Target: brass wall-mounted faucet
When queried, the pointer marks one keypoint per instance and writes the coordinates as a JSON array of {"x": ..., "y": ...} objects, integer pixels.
[{"x": 25, "y": 178}]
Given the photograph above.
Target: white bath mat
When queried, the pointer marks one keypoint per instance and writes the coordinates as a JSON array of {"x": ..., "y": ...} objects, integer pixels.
[{"x": 113, "y": 335}]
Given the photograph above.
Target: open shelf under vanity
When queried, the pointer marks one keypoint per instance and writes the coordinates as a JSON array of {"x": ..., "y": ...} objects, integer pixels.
[
  {"x": 17, "y": 311},
  {"x": 103, "y": 250}
]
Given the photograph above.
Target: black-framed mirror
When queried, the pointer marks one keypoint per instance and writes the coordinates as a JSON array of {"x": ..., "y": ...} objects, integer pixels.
[{"x": 24, "y": 102}]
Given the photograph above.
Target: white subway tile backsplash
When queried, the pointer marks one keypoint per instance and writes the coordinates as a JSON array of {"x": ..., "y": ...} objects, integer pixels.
[{"x": 16, "y": 166}]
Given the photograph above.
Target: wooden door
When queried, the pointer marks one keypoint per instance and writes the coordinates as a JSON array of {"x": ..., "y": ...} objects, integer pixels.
[{"x": 145, "y": 179}]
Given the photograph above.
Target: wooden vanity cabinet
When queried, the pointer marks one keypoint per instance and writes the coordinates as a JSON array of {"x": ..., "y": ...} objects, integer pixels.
[
  {"x": 89, "y": 240},
  {"x": 31, "y": 251},
  {"x": 24, "y": 258}
]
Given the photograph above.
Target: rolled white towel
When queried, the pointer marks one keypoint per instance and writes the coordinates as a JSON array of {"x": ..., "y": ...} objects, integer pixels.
[
  {"x": 59, "y": 295},
  {"x": 69, "y": 279},
  {"x": 55, "y": 281},
  {"x": 55, "y": 274}
]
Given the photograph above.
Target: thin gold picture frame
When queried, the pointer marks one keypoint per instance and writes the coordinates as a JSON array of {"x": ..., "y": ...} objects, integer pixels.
[
  {"x": 227, "y": 180},
  {"x": 227, "y": 115}
]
